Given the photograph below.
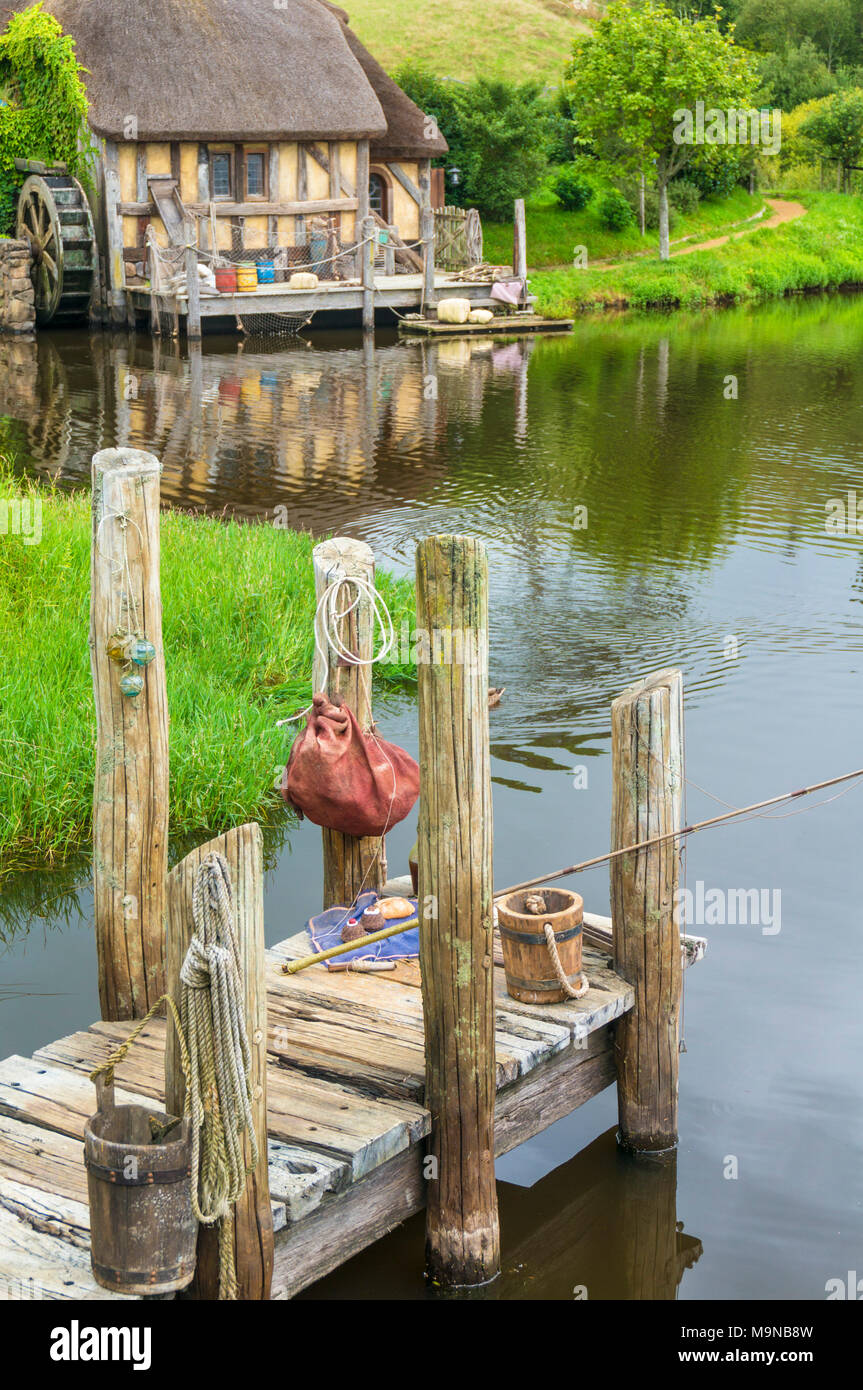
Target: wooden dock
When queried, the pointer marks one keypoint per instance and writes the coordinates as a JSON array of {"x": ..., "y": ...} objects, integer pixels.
[
  {"x": 403, "y": 293},
  {"x": 502, "y": 326},
  {"x": 346, "y": 1119}
]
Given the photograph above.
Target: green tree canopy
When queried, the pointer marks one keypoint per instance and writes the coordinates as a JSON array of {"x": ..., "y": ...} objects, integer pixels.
[
  {"x": 498, "y": 133},
  {"x": 835, "y": 128},
  {"x": 639, "y": 68}
]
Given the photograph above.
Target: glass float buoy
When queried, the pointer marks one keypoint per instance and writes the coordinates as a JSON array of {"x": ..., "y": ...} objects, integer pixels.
[
  {"x": 118, "y": 645},
  {"x": 141, "y": 651},
  {"x": 131, "y": 685}
]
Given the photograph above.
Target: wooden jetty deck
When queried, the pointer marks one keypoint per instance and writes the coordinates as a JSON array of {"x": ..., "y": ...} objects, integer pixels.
[
  {"x": 403, "y": 293},
  {"x": 503, "y": 325},
  {"x": 346, "y": 1119}
]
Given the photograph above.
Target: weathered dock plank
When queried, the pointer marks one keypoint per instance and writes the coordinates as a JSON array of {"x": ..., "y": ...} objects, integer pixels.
[
  {"x": 346, "y": 1121},
  {"x": 35, "y": 1264}
]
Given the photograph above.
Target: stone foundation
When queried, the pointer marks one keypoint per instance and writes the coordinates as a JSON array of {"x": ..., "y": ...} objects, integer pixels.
[{"x": 17, "y": 304}]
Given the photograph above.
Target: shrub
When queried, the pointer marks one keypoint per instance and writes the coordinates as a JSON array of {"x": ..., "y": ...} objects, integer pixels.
[
  {"x": 684, "y": 195},
  {"x": 572, "y": 190},
  {"x": 614, "y": 212},
  {"x": 497, "y": 133}
]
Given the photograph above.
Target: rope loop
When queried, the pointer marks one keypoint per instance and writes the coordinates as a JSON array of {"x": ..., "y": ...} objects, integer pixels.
[{"x": 574, "y": 992}]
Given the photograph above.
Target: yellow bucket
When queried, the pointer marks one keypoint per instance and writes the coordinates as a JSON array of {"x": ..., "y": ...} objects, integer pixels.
[{"x": 247, "y": 277}]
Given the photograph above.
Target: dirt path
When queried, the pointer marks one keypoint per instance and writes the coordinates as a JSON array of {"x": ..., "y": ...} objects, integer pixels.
[{"x": 783, "y": 211}]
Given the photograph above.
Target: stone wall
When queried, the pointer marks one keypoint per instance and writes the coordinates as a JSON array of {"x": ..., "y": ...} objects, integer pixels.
[{"x": 17, "y": 309}]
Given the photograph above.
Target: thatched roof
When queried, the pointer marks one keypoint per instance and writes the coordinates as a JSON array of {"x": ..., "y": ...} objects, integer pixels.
[
  {"x": 406, "y": 136},
  {"x": 217, "y": 69}
]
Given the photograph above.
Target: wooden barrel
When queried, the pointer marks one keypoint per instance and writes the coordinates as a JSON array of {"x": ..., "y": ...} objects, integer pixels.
[
  {"x": 530, "y": 974},
  {"x": 142, "y": 1230},
  {"x": 226, "y": 279}
]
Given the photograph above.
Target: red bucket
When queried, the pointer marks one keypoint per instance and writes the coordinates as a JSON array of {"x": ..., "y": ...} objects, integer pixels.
[{"x": 226, "y": 279}]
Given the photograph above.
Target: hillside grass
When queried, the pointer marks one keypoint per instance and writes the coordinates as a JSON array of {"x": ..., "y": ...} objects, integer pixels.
[
  {"x": 821, "y": 251},
  {"x": 553, "y": 233},
  {"x": 463, "y": 39},
  {"x": 238, "y": 605}
]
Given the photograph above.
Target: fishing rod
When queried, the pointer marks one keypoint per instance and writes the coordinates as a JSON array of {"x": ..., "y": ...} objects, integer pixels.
[
  {"x": 675, "y": 834},
  {"x": 291, "y": 967}
]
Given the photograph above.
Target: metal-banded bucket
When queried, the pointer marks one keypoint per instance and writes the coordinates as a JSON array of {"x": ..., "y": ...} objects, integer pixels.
[
  {"x": 142, "y": 1229},
  {"x": 527, "y": 958}
]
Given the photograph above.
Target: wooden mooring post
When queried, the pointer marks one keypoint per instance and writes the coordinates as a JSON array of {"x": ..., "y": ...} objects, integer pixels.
[
  {"x": 130, "y": 797},
  {"x": 647, "y": 801},
  {"x": 455, "y": 885},
  {"x": 252, "y": 1217},
  {"x": 193, "y": 285},
  {"x": 350, "y": 864},
  {"x": 367, "y": 272}
]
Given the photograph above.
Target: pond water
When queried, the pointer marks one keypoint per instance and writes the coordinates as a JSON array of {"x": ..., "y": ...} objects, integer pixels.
[{"x": 705, "y": 451}]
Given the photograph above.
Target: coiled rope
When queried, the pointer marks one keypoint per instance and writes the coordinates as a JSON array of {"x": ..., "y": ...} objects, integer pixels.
[
  {"x": 219, "y": 1098},
  {"x": 216, "y": 1060}
]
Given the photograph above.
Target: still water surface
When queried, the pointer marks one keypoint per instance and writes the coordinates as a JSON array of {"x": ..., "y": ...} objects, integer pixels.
[{"x": 705, "y": 547}]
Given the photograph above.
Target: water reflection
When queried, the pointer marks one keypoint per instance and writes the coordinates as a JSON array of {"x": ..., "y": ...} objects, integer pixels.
[{"x": 602, "y": 1226}]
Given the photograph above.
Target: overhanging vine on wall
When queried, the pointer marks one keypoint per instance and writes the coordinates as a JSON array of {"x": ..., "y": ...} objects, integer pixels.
[{"x": 43, "y": 103}]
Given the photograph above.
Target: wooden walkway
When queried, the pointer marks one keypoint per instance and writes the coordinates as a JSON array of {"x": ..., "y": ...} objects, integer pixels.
[{"x": 345, "y": 1114}]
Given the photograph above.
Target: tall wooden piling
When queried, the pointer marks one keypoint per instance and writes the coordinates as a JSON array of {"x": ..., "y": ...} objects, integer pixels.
[
  {"x": 193, "y": 285},
  {"x": 350, "y": 864},
  {"x": 367, "y": 271},
  {"x": 647, "y": 800},
  {"x": 130, "y": 798},
  {"x": 455, "y": 884},
  {"x": 519, "y": 242},
  {"x": 253, "y": 1220}
]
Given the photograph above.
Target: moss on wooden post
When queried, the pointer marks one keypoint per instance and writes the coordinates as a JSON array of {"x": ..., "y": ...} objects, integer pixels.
[
  {"x": 455, "y": 884},
  {"x": 647, "y": 798}
]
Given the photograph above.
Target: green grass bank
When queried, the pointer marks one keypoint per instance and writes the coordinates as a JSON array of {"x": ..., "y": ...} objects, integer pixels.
[
  {"x": 238, "y": 604},
  {"x": 821, "y": 251}
]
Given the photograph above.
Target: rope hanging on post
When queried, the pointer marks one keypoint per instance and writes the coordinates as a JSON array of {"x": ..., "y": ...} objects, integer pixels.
[
  {"x": 216, "y": 1061},
  {"x": 219, "y": 1098}
]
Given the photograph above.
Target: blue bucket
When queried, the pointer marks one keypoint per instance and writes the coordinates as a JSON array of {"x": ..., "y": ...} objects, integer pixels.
[{"x": 266, "y": 272}]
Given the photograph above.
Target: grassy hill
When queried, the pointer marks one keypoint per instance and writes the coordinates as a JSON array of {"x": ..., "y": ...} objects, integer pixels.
[{"x": 516, "y": 39}]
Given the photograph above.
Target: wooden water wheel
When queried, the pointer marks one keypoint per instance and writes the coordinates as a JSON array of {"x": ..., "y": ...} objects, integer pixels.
[{"x": 54, "y": 216}]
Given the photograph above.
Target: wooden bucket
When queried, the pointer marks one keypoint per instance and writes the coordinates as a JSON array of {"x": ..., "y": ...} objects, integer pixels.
[
  {"x": 142, "y": 1229},
  {"x": 530, "y": 974}
]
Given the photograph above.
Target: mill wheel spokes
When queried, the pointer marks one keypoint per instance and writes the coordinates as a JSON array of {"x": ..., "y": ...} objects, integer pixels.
[{"x": 54, "y": 218}]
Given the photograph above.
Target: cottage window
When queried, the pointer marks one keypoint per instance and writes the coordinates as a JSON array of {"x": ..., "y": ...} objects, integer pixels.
[
  {"x": 221, "y": 182},
  {"x": 377, "y": 194},
  {"x": 256, "y": 174}
]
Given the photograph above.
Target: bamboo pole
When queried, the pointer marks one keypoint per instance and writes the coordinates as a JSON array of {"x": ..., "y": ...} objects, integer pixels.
[
  {"x": 647, "y": 800},
  {"x": 350, "y": 864},
  {"x": 455, "y": 877},
  {"x": 130, "y": 795},
  {"x": 252, "y": 1215}
]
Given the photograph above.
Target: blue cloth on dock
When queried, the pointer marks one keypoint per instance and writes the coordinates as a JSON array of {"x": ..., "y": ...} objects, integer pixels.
[{"x": 326, "y": 930}]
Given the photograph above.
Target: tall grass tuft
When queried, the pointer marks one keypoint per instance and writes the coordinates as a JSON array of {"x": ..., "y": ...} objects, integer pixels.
[{"x": 238, "y": 605}]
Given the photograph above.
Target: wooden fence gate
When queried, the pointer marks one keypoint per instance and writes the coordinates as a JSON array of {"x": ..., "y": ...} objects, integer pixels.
[{"x": 458, "y": 238}]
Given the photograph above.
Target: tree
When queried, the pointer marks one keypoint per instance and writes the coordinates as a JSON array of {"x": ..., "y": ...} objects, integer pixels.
[
  {"x": 797, "y": 75},
  {"x": 635, "y": 75},
  {"x": 497, "y": 132},
  {"x": 835, "y": 129}
]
